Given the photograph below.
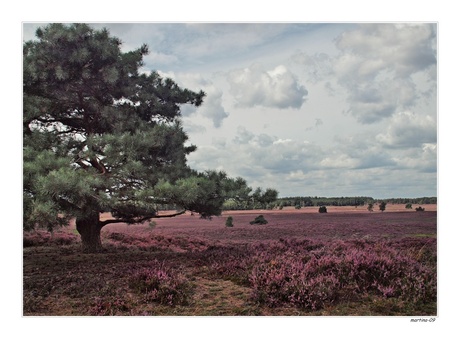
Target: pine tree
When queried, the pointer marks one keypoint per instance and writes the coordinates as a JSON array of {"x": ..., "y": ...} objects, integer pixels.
[{"x": 100, "y": 136}]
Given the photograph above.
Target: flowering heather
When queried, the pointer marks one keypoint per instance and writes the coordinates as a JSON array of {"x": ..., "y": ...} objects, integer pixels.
[
  {"x": 310, "y": 275},
  {"x": 160, "y": 284},
  {"x": 41, "y": 237},
  {"x": 113, "y": 306},
  {"x": 298, "y": 263},
  {"x": 152, "y": 242}
]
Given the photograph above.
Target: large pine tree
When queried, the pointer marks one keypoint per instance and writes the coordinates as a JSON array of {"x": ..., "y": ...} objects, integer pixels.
[{"x": 100, "y": 136}]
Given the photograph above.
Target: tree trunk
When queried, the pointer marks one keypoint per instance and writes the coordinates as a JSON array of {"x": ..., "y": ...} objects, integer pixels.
[{"x": 89, "y": 228}]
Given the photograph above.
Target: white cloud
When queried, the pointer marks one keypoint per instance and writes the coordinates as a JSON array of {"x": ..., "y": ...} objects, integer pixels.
[
  {"x": 318, "y": 66},
  {"x": 191, "y": 127},
  {"x": 406, "y": 129},
  {"x": 384, "y": 76},
  {"x": 371, "y": 48},
  {"x": 243, "y": 136},
  {"x": 255, "y": 86},
  {"x": 376, "y": 67},
  {"x": 212, "y": 107},
  {"x": 265, "y": 140},
  {"x": 338, "y": 161},
  {"x": 157, "y": 58},
  {"x": 423, "y": 159},
  {"x": 383, "y": 68}
]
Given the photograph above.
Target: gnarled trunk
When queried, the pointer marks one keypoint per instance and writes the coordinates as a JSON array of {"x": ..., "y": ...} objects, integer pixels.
[{"x": 89, "y": 228}]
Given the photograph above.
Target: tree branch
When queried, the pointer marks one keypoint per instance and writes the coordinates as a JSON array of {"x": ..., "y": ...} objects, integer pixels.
[
  {"x": 140, "y": 220},
  {"x": 98, "y": 165}
]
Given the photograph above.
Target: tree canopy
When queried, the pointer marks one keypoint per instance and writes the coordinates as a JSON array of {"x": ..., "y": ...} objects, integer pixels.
[{"x": 101, "y": 136}]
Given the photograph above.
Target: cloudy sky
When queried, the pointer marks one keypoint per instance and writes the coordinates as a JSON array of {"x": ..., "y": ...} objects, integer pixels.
[{"x": 311, "y": 109}]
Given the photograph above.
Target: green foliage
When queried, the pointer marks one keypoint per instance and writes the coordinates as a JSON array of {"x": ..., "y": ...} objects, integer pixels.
[
  {"x": 101, "y": 136},
  {"x": 322, "y": 209},
  {"x": 229, "y": 222},
  {"x": 271, "y": 206},
  {"x": 349, "y": 201},
  {"x": 409, "y": 206},
  {"x": 269, "y": 196},
  {"x": 323, "y": 201},
  {"x": 370, "y": 207},
  {"x": 239, "y": 196},
  {"x": 382, "y": 206},
  {"x": 260, "y": 220}
]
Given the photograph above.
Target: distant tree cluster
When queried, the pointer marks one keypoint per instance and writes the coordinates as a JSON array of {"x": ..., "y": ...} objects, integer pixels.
[
  {"x": 242, "y": 197},
  {"x": 414, "y": 201},
  {"x": 300, "y": 202}
]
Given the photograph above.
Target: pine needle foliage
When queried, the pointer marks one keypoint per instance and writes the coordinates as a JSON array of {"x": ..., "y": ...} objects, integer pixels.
[{"x": 101, "y": 136}]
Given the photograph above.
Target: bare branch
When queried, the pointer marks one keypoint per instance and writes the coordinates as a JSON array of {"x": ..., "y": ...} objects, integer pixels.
[
  {"x": 140, "y": 220},
  {"x": 98, "y": 165}
]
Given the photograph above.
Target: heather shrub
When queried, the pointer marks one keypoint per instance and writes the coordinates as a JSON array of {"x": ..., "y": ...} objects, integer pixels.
[
  {"x": 34, "y": 239},
  {"x": 304, "y": 282},
  {"x": 113, "y": 306},
  {"x": 161, "y": 285},
  {"x": 232, "y": 263},
  {"x": 229, "y": 222},
  {"x": 383, "y": 269},
  {"x": 260, "y": 220},
  {"x": 339, "y": 271},
  {"x": 42, "y": 237},
  {"x": 148, "y": 241}
]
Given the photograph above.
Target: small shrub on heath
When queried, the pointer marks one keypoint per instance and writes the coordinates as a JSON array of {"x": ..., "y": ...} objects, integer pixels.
[
  {"x": 260, "y": 220},
  {"x": 229, "y": 222}
]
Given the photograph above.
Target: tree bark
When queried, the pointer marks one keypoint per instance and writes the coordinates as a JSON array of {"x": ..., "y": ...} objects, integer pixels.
[{"x": 89, "y": 228}]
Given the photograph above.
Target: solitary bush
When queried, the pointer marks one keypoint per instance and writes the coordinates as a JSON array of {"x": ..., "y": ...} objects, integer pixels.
[
  {"x": 409, "y": 206},
  {"x": 322, "y": 209},
  {"x": 382, "y": 206},
  {"x": 229, "y": 222},
  {"x": 420, "y": 209},
  {"x": 370, "y": 207},
  {"x": 260, "y": 220}
]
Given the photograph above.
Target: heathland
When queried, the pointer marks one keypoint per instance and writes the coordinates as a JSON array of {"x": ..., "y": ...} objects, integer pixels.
[{"x": 348, "y": 261}]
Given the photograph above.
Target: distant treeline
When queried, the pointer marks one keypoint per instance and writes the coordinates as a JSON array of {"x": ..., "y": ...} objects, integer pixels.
[
  {"x": 420, "y": 201},
  {"x": 263, "y": 201},
  {"x": 348, "y": 201}
]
